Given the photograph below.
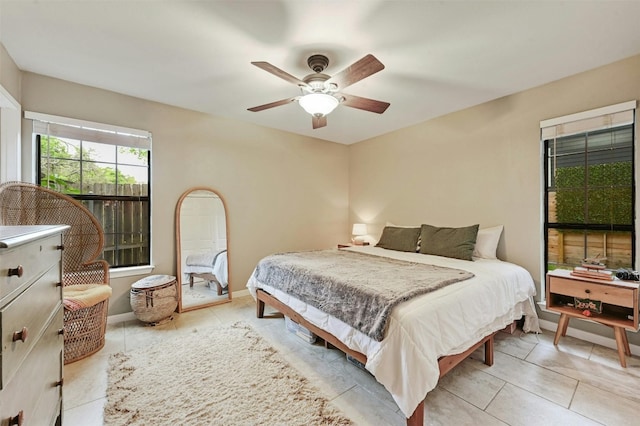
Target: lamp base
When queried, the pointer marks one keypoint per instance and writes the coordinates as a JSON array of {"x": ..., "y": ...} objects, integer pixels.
[{"x": 359, "y": 241}]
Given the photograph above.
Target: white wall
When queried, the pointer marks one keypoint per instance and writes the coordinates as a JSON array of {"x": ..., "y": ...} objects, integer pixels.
[
  {"x": 10, "y": 142},
  {"x": 10, "y": 113},
  {"x": 10, "y": 74}
]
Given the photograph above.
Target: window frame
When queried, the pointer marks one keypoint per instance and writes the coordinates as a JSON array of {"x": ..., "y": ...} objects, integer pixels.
[
  {"x": 610, "y": 117},
  {"x": 113, "y": 135},
  {"x": 586, "y": 227}
]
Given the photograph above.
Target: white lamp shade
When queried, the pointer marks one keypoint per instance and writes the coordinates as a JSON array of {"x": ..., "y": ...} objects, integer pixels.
[
  {"x": 318, "y": 104},
  {"x": 359, "y": 229}
]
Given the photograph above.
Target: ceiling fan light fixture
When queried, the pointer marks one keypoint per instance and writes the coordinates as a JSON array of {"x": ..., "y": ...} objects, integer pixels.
[
  {"x": 321, "y": 93},
  {"x": 318, "y": 104}
]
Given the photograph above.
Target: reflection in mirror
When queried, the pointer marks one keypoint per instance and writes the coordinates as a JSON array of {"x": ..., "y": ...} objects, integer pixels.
[{"x": 201, "y": 247}]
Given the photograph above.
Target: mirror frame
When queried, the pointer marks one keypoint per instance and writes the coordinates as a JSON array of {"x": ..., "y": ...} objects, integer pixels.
[{"x": 179, "y": 250}]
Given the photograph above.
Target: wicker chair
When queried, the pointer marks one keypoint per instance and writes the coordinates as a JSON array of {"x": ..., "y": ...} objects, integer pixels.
[{"x": 85, "y": 313}]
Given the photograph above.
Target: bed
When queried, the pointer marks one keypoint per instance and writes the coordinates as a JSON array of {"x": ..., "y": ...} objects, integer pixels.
[
  {"x": 431, "y": 333},
  {"x": 210, "y": 266}
]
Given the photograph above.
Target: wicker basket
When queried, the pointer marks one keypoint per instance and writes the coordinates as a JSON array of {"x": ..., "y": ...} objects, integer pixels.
[
  {"x": 154, "y": 298},
  {"x": 84, "y": 331}
]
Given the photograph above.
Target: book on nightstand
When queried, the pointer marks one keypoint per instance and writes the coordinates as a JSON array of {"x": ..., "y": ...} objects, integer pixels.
[{"x": 596, "y": 273}]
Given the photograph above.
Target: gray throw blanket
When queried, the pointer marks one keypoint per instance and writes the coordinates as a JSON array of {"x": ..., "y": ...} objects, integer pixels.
[{"x": 357, "y": 288}]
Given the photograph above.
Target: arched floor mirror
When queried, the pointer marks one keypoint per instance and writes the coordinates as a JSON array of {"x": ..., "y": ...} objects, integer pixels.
[{"x": 201, "y": 248}]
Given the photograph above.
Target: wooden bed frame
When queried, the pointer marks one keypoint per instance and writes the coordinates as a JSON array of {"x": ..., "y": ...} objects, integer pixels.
[{"x": 446, "y": 363}]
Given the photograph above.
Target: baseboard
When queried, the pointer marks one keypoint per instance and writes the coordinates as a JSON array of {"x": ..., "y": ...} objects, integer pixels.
[
  {"x": 128, "y": 316},
  {"x": 114, "y": 319},
  {"x": 240, "y": 293},
  {"x": 586, "y": 336}
]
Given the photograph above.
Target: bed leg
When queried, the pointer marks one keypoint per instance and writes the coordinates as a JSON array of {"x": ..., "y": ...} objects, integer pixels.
[
  {"x": 260, "y": 308},
  {"x": 417, "y": 418},
  {"x": 488, "y": 352}
]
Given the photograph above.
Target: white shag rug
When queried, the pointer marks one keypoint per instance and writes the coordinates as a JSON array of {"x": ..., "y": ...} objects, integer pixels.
[{"x": 221, "y": 376}]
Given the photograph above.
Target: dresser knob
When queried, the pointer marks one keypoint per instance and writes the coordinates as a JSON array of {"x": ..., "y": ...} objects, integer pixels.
[
  {"x": 17, "y": 420},
  {"x": 16, "y": 271},
  {"x": 60, "y": 247},
  {"x": 61, "y": 331},
  {"x": 20, "y": 335},
  {"x": 60, "y": 382},
  {"x": 587, "y": 291}
]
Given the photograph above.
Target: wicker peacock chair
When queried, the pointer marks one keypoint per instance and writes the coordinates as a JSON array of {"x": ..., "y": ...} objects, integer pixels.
[{"x": 85, "y": 280}]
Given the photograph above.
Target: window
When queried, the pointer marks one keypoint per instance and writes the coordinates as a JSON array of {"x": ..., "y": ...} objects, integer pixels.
[
  {"x": 108, "y": 170},
  {"x": 589, "y": 188}
]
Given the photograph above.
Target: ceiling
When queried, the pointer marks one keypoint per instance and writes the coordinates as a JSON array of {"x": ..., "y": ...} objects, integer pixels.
[{"x": 439, "y": 57}]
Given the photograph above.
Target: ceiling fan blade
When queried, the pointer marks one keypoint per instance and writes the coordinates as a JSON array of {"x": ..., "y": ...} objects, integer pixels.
[
  {"x": 364, "y": 103},
  {"x": 357, "y": 71},
  {"x": 272, "y": 104},
  {"x": 319, "y": 121},
  {"x": 279, "y": 73}
]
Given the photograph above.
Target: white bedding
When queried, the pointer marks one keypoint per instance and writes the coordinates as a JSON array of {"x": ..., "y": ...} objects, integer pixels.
[
  {"x": 219, "y": 269},
  {"x": 445, "y": 322}
]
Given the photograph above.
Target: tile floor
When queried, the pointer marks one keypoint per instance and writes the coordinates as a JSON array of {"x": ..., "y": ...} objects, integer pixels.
[{"x": 531, "y": 382}]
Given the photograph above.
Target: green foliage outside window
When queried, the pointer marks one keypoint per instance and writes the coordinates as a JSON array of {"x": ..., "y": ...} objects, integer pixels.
[
  {"x": 608, "y": 194},
  {"x": 60, "y": 167}
]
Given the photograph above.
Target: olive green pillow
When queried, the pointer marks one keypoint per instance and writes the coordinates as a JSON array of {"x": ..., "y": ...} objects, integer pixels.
[
  {"x": 400, "y": 239},
  {"x": 448, "y": 242}
]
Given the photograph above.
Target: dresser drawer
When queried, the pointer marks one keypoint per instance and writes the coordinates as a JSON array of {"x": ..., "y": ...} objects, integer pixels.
[
  {"x": 30, "y": 311},
  {"x": 33, "y": 259},
  {"x": 35, "y": 389},
  {"x": 612, "y": 294}
]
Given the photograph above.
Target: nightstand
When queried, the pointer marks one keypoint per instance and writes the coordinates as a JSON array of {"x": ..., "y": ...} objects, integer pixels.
[{"x": 619, "y": 301}]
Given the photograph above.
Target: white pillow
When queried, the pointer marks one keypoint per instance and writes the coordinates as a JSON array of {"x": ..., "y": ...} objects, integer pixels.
[{"x": 487, "y": 242}]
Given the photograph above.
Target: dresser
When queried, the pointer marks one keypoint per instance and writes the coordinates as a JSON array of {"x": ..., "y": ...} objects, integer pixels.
[{"x": 31, "y": 324}]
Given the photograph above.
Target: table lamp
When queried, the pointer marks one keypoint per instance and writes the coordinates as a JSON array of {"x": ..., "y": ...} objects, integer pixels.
[{"x": 359, "y": 231}]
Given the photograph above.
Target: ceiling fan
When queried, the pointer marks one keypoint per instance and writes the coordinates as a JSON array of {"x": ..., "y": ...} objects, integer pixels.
[{"x": 322, "y": 93}]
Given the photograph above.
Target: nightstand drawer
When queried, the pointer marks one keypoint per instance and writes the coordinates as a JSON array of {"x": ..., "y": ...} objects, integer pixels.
[{"x": 604, "y": 292}]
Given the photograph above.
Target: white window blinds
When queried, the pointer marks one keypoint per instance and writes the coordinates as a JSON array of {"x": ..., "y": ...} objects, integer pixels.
[
  {"x": 589, "y": 121},
  {"x": 65, "y": 127}
]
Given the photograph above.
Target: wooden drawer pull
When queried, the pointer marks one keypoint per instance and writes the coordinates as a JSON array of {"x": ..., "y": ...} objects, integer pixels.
[
  {"x": 16, "y": 271},
  {"x": 21, "y": 335},
  {"x": 17, "y": 420}
]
